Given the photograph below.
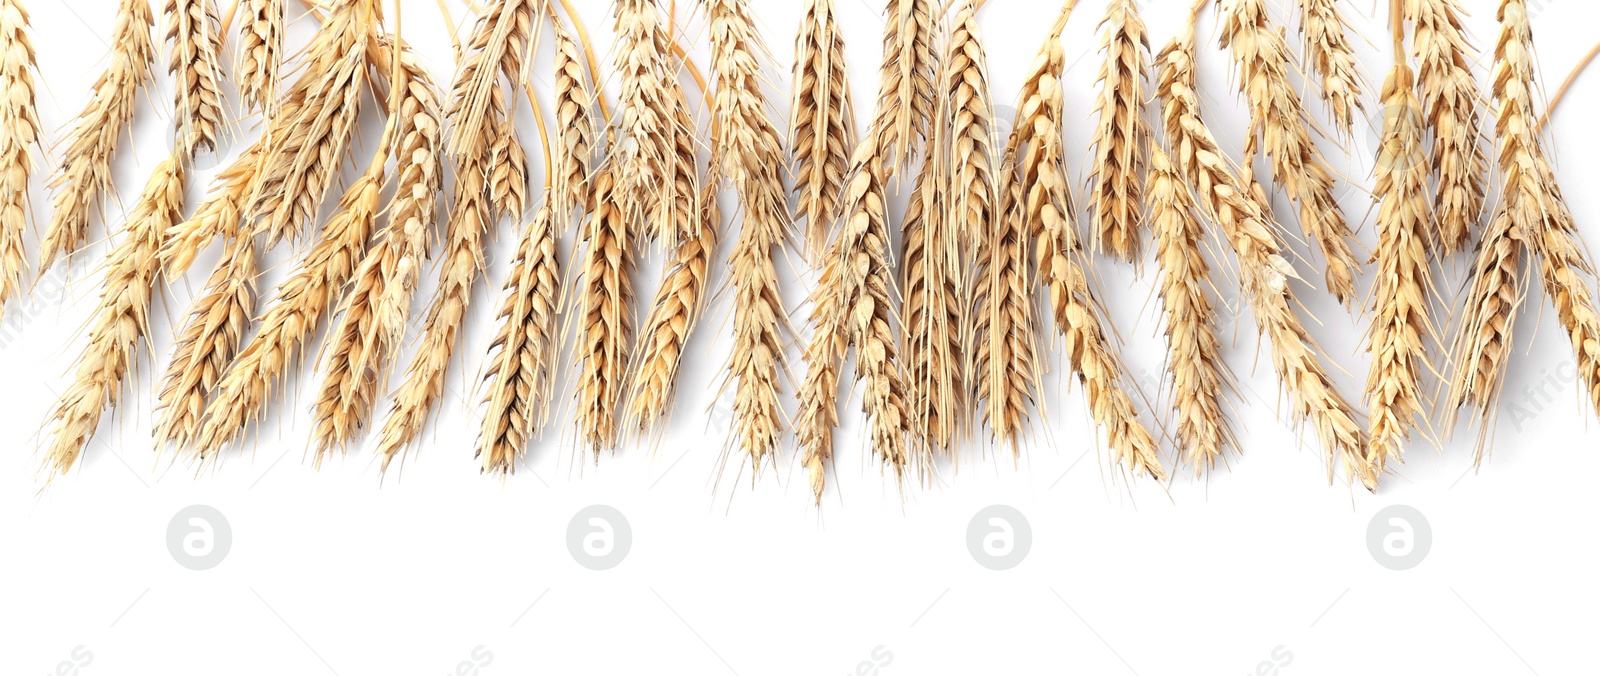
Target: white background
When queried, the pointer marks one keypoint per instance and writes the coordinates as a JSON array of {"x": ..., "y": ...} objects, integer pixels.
[{"x": 331, "y": 572}]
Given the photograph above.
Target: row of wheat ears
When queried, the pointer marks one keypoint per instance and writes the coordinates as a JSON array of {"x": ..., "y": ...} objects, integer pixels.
[{"x": 946, "y": 337}]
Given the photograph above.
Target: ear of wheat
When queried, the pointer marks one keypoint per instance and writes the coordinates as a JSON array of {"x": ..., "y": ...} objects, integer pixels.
[
  {"x": 1278, "y": 117},
  {"x": 522, "y": 354},
  {"x": 303, "y": 150},
  {"x": 752, "y": 148},
  {"x": 1400, "y": 324},
  {"x": 303, "y": 300},
  {"x": 821, "y": 122},
  {"x": 905, "y": 85},
  {"x": 1454, "y": 113},
  {"x": 85, "y": 171},
  {"x": 367, "y": 338},
  {"x": 1196, "y": 373},
  {"x": 1333, "y": 59},
  {"x": 260, "y": 53},
  {"x": 120, "y": 321},
  {"x": 19, "y": 133},
  {"x": 194, "y": 64},
  {"x": 1264, "y": 272},
  {"x": 646, "y": 125},
  {"x": 1005, "y": 360},
  {"x": 477, "y": 108},
  {"x": 575, "y": 131},
  {"x": 605, "y": 316},
  {"x": 206, "y": 345},
  {"x": 1059, "y": 254},
  {"x": 931, "y": 310},
  {"x": 1122, "y": 135},
  {"x": 851, "y": 305},
  {"x": 1533, "y": 214}
]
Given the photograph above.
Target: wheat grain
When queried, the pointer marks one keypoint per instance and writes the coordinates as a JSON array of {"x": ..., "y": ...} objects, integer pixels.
[
  {"x": 1400, "y": 324},
  {"x": 84, "y": 174},
  {"x": 906, "y": 81},
  {"x": 260, "y": 53},
  {"x": 1122, "y": 135},
  {"x": 751, "y": 148},
  {"x": 821, "y": 122},
  {"x": 367, "y": 338},
  {"x": 1197, "y": 375},
  {"x": 1264, "y": 273},
  {"x": 1278, "y": 117},
  {"x": 194, "y": 63},
  {"x": 19, "y": 133},
  {"x": 1454, "y": 113},
  {"x": 1323, "y": 31},
  {"x": 120, "y": 321}
]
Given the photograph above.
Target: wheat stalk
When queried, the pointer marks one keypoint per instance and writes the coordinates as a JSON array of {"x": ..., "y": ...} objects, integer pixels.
[
  {"x": 260, "y": 53},
  {"x": 852, "y": 306},
  {"x": 1454, "y": 113},
  {"x": 1059, "y": 254},
  {"x": 1264, "y": 272},
  {"x": 1400, "y": 324},
  {"x": 1322, "y": 29},
  {"x": 605, "y": 298},
  {"x": 750, "y": 145},
  {"x": 120, "y": 321},
  {"x": 1197, "y": 375},
  {"x": 364, "y": 343},
  {"x": 477, "y": 108},
  {"x": 296, "y": 167},
  {"x": 19, "y": 133},
  {"x": 194, "y": 63},
  {"x": 575, "y": 130},
  {"x": 1532, "y": 220},
  {"x": 1122, "y": 135},
  {"x": 206, "y": 345},
  {"x": 1278, "y": 116},
  {"x": 303, "y": 299},
  {"x": 906, "y": 81},
  {"x": 821, "y": 122},
  {"x": 85, "y": 171}
]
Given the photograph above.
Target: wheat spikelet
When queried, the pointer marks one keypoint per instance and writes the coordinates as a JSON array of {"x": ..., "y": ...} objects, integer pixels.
[
  {"x": 1197, "y": 375},
  {"x": 751, "y": 147},
  {"x": 194, "y": 64},
  {"x": 508, "y": 171},
  {"x": 206, "y": 345},
  {"x": 523, "y": 351},
  {"x": 1332, "y": 57},
  {"x": 1454, "y": 112},
  {"x": 260, "y": 53},
  {"x": 852, "y": 305},
  {"x": 1122, "y": 134},
  {"x": 303, "y": 299},
  {"x": 85, "y": 171},
  {"x": 605, "y": 313},
  {"x": 1278, "y": 116},
  {"x": 363, "y": 344},
  {"x": 120, "y": 321},
  {"x": 821, "y": 122},
  {"x": 1264, "y": 272},
  {"x": 303, "y": 150},
  {"x": 575, "y": 127},
  {"x": 1532, "y": 213},
  {"x": 19, "y": 133},
  {"x": 1048, "y": 208},
  {"x": 905, "y": 85},
  {"x": 1400, "y": 323},
  {"x": 477, "y": 108}
]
